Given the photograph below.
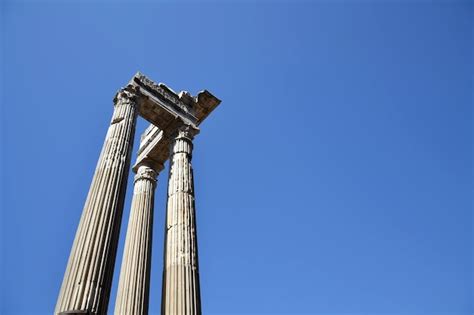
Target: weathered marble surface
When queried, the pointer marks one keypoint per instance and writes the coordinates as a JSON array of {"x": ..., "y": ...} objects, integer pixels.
[
  {"x": 167, "y": 109},
  {"x": 181, "y": 291},
  {"x": 88, "y": 277},
  {"x": 175, "y": 118},
  {"x": 175, "y": 122},
  {"x": 134, "y": 283}
]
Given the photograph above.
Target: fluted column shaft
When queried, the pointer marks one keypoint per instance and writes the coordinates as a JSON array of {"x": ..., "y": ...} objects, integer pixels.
[
  {"x": 181, "y": 293},
  {"x": 88, "y": 277},
  {"x": 134, "y": 283}
]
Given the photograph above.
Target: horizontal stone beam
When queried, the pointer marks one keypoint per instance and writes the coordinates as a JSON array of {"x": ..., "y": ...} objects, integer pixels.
[
  {"x": 154, "y": 149},
  {"x": 166, "y": 110},
  {"x": 161, "y": 106}
]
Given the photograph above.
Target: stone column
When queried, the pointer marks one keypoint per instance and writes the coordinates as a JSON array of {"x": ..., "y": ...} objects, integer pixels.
[
  {"x": 88, "y": 277},
  {"x": 134, "y": 284},
  {"x": 180, "y": 292}
]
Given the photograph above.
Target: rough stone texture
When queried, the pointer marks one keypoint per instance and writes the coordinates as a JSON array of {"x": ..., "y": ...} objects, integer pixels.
[
  {"x": 134, "y": 283},
  {"x": 88, "y": 277},
  {"x": 154, "y": 148},
  {"x": 175, "y": 118},
  {"x": 181, "y": 291},
  {"x": 167, "y": 109}
]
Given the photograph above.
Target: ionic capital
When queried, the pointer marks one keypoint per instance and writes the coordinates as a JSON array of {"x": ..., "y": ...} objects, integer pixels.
[
  {"x": 126, "y": 95},
  {"x": 145, "y": 171},
  {"x": 187, "y": 132},
  {"x": 182, "y": 139}
]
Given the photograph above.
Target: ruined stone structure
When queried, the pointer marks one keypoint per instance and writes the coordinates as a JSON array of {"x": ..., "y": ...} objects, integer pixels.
[{"x": 175, "y": 120}]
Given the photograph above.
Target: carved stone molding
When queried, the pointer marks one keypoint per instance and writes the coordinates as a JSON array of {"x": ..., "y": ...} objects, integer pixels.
[
  {"x": 185, "y": 132},
  {"x": 146, "y": 172},
  {"x": 126, "y": 95}
]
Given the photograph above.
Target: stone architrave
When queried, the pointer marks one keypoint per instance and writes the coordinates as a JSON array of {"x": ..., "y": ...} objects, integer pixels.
[
  {"x": 181, "y": 290},
  {"x": 88, "y": 277}
]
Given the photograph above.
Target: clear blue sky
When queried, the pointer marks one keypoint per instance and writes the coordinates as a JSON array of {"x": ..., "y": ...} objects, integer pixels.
[{"x": 335, "y": 177}]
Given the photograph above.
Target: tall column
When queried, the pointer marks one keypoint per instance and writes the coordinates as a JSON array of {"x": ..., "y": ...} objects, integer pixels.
[
  {"x": 180, "y": 292},
  {"x": 88, "y": 277},
  {"x": 134, "y": 283}
]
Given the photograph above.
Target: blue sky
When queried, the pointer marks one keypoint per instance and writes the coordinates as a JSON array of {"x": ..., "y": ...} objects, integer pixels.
[{"x": 335, "y": 177}]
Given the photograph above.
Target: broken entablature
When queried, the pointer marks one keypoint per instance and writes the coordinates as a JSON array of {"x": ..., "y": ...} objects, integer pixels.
[{"x": 175, "y": 120}]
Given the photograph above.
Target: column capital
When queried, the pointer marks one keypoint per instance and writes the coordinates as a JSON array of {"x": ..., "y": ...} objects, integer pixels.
[
  {"x": 185, "y": 131},
  {"x": 146, "y": 171},
  {"x": 126, "y": 95}
]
